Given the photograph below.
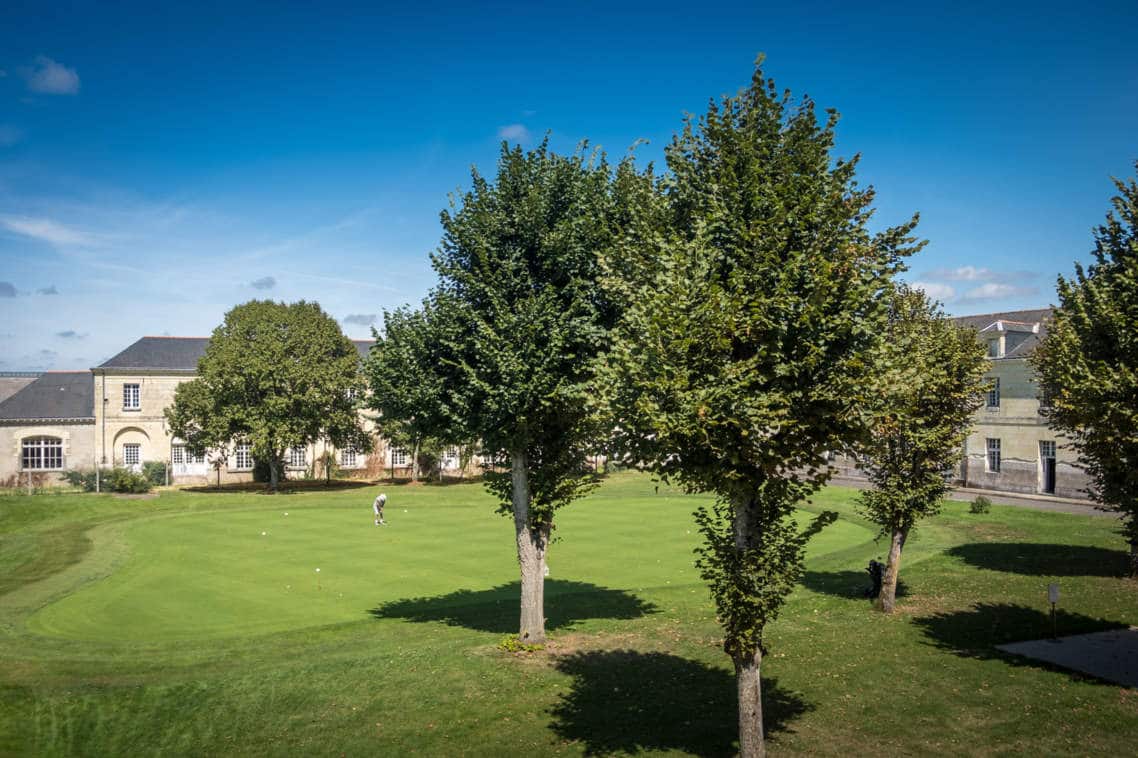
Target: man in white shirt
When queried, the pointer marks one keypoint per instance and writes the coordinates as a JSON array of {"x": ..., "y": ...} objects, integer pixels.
[{"x": 377, "y": 506}]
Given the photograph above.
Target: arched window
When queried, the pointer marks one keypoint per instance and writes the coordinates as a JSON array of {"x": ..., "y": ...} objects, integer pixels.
[{"x": 42, "y": 453}]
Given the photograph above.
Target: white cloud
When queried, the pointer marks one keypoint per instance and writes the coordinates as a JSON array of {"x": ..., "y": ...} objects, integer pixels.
[
  {"x": 975, "y": 274},
  {"x": 9, "y": 135},
  {"x": 7, "y": 289},
  {"x": 995, "y": 291},
  {"x": 962, "y": 274},
  {"x": 51, "y": 78},
  {"x": 46, "y": 230},
  {"x": 936, "y": 290},
  {"x": 264, "y": 283},
  {"x": 49, "y": 290},
  {"x": 514, "y": 132}
]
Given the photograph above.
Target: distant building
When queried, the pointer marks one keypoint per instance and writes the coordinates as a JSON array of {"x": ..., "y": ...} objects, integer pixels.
[
  {"x": 113, "y": 415},
  {"x": 47, "y": 425},
  {"x": 1011, "y": 447}
]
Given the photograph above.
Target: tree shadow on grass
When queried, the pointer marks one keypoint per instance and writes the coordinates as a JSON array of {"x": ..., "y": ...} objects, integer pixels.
[
  {"x": 496, "y": 609},
  {"x": 976, "y": 632},
  {"x": 847, "y": 584},
  {"x": 623, "y": 701},
  {"x": 287, "y": 487},
  {"x": 1034, "y": 559}
]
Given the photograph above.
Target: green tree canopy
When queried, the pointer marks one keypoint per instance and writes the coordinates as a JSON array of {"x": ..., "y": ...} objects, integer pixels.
[
  {"x": 745, "y": 351},
  {"x": 521, "y": 317},
  {"x": 407, "y": 383},
  {"x": 931, "y": 385},
  {"x": 1088, "y": 363},
  {"x": 274, "y": 375}
]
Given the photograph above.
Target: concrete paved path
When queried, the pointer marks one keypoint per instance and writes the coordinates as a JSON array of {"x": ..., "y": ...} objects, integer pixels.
[
  {"x": 1111, "y": 656},
  {"x": 1037, "y": 502}
]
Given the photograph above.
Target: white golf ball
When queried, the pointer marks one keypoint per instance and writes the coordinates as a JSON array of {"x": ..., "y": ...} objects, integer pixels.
[
  {"x": 404, "y": 510},
  {"x": 263, "y": 533},
  {"x": 317, "y": 571}
]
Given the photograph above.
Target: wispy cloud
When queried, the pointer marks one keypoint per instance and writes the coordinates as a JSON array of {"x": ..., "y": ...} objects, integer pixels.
[
  {"x": 49, "y": 290},
  {"x": 7, "y": 289},
  {"x": 361, "y": 319},
  {"x": 9, "y": 135},
  {"x": 514, "y": 133},
  {"x": 976, "y": 274},
  {"x": 70, "y": 334},
  {"x": 46, "y": 230},
  {"x": 51, "y": 78},
  {"x": 936, "y": 290},
  {"x": 264, "y": 283},
  {"x": 995, "y": 291}
]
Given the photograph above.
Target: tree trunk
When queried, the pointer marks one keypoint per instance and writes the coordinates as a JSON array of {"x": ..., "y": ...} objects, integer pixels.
[
  {"x": 415, "y": 462},
  {"x": 750, "y": 705},
  {"x": 274, "y": 475},
  {"x": 531, "y": 556},
  {"x": 888, "y": 595},
  {"x": 747, "y": 663},
  {"x": 1134, "y": 559}
]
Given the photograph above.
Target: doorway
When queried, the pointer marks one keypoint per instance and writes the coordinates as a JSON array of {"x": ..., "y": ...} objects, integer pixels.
[{"x": 1047, "y": 466}]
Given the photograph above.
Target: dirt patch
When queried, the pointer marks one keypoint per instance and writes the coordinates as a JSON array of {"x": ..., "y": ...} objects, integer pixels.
[{"x": 146, "y": 496}]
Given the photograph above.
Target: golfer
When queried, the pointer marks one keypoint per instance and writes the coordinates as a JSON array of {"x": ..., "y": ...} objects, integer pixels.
[{"x": 377, "y": 506}]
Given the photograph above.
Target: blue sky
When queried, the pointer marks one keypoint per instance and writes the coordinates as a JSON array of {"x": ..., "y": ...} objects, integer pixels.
[{"x": 158, "y": 166}]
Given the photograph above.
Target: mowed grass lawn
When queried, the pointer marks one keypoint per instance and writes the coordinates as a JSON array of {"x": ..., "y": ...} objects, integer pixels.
[{"x": 196, "y": 624}]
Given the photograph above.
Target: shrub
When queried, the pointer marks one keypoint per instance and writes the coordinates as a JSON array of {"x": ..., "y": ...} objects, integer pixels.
[
  {"x": 155, "y": 472},
  {"x": 125, "y": 480},
  {"x": 511, "y": 644},
  {"x": 980, "y": 505},
  {"x": 118, "y": 479},
  {"x": 81, "y": 478}
]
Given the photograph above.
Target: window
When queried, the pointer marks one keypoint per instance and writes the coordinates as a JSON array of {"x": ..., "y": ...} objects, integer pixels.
[
  {"x": 994, "y": 348},
  {"x": 348, "y": 458},
  {"x": 242, "y": 456},
  {"x": 297, "y": 457},
  {"x": 42, "y": 453},
  {"x": 131, "y": 453},
  {"x": 1046, "y": 449},
  {"x": 1044, "y": 400},
  {"x": 398, "y": 457},
  {"x": 993, "y": 456},
  {"x": 182, "y": 454},
  {"x": 994, "y": 393},
  {"x": 131, "y": 397}
]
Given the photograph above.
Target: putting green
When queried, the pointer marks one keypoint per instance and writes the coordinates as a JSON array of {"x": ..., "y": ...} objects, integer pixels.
[{"x": 248, "y": 572}]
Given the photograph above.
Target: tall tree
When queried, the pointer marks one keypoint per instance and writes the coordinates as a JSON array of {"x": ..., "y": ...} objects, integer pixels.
[
  {"x": 1088, "y": 363},
  {"x": 275, "y": 375},
  {"x": 407, "y": 386},
  {"x": 923, "y": 407},
  {"x": 522, "y": 317},
  {"x": 743, "y": 354}
]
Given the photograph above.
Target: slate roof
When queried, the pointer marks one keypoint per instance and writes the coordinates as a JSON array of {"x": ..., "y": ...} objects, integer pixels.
[
  {"x": 1014, "y": 321},
  {"x": 54, "y": 395},
  {"x": 177, "y": 354}
]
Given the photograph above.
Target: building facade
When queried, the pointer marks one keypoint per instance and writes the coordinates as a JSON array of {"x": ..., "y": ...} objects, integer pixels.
[
  {"x": 1011, "y": 448},
  {"x": 114, "y": 415}
]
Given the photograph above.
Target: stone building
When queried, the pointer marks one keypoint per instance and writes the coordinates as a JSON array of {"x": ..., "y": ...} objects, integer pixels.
[
  {"x": 113, "y": 415},
  {"x": 1011, "y": 448},
  {"x": 47, "y": 426}
]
